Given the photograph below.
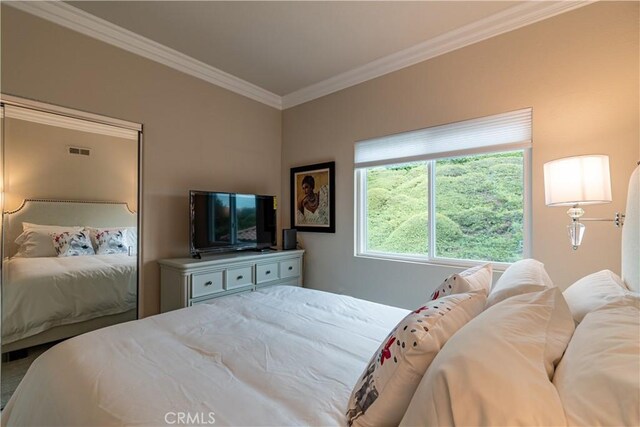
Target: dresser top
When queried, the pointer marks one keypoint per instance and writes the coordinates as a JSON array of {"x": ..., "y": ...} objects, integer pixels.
[{"x": 207, "y": 260}]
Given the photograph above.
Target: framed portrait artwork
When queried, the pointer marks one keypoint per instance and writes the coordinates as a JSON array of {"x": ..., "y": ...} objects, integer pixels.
[{"x": 313, "y": 198}]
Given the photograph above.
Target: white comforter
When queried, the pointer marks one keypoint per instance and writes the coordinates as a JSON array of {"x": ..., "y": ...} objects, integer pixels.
[
  {"x": 277, "y": 356},
  {"x": 41, "y": 293}
]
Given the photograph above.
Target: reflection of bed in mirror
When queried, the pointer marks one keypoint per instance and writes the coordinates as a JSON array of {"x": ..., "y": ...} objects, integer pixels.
[{"x": 48, "y": 298}]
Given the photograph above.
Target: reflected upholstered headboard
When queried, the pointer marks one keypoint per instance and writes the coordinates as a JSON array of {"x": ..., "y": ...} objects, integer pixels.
[
  {"x": 631, "y": 235},
  {"x": 65, "y": 213}
]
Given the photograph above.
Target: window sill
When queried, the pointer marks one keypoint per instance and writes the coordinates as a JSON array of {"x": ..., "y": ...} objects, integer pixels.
[{"x": 440, "y": 262}]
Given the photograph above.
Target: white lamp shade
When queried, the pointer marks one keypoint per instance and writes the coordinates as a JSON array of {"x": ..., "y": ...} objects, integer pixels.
[{"x": 583, "y": 180}]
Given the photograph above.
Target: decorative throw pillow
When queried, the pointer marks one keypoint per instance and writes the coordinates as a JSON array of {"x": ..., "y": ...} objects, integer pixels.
[
  {"x": 497, "y": 370},
  {"x": 111, "y": 241},
  {"x": 473, "y": 279},
  {"x": 72, "y": 243},
  {"x": 524, "y": 276},
  {"x": 131, "y": 237},
  {"x": 384, "y": 390},
  {"x": 35, "y": 241},
  {"x": 594, "y": 291}
]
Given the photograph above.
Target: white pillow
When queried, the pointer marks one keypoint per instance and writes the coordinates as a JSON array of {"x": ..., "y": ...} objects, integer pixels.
[
  {"x": 132, "y": 233},
  {"x": 594, "y": 291},
  {"x": 598, "y": 379},
  {"x": 50, "y": 228},
  {"x": 72, "y": 243},
  {"x": 384, "y": 390},
  {"x": 34, "y": 243},
  {"x": 521, "y": 277},
  {"x": 35, "y": 240},
  {"x": 495, "y": 370},
  {"x": 473, "y": 279}
]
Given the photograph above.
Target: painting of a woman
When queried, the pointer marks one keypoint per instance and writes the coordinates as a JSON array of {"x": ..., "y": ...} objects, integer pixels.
[
  {"x": 312, "y": 198},
  {"x": 313, "y": 206}
]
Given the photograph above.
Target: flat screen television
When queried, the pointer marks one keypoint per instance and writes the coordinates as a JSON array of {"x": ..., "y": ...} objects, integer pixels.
[{"x": 224, "y": 222}]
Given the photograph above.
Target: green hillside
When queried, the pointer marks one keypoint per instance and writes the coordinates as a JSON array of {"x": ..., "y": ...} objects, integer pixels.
[{"x": 479, "y": 208}]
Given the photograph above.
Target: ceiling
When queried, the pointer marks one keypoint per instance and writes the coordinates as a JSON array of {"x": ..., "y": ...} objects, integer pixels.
[
  {"x": 285, "y": 53},
  {"x": 286, "y": 46}
]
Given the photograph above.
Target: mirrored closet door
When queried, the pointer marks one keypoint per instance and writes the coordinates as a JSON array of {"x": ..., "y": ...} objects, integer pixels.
[{"x": 69, "y": 228}]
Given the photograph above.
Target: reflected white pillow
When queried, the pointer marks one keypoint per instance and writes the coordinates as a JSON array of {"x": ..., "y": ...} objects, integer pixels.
[
  {"x": 384, "y": 390},
  {"x": 598, "y": 379},
  {"x": 52, "y": 228},
  {"x": 132, "y": 234},
  {"x": 473, "y": 279},
  {"x": 594, "y": 291},
  {"x": 521, "y": 277},
  {"x": 497, "y": 369},
  {"x": 35, "y": 240}
]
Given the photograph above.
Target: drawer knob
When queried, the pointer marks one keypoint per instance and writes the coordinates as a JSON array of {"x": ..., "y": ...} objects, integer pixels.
[
  {"x": 209, "y": 283},
  {"x": 290, "y": 267},
  {"x": 268, "y": 272},
  {"x": 239, "y": 277}
]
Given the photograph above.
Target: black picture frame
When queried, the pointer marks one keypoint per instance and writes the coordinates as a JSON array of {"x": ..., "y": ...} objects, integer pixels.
[{"x": 305, "y": 216}]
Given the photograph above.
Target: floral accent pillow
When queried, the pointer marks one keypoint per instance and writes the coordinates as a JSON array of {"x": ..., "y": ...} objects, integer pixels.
[
  {"x": 383, "y": 392},
  {"x": 72, "y": 243},
  {"x": 111, "y": 241},
  {"x": 473, "y": 279},
  {"x": 131, "y": 238}
]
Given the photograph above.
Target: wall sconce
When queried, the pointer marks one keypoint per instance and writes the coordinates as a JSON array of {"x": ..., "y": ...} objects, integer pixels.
[{"x": 576, "y": 181}]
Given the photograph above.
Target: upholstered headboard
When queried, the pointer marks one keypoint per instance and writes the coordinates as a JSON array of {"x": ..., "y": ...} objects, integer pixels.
[
  {"x": 65, "y": 213},
  {"x": 631, "y": 235}
]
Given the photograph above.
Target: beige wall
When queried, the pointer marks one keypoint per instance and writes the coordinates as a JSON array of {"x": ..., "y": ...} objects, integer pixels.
[
  {"x": 579, "y": 71},
  {"x": 39, "y": 166},
  {"x": 196, "y": 135}
]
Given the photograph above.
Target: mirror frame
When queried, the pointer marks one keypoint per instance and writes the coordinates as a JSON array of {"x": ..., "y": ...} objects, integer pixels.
[{"x": 6, "y": 99}]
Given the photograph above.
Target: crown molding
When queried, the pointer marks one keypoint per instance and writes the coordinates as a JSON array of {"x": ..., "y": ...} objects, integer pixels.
[
  {"x": 78, "y": 20},
  {"x": 507, "y": 20}
]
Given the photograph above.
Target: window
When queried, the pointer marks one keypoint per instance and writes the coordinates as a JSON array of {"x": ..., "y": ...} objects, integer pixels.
[{"x": 452, "y": 194}]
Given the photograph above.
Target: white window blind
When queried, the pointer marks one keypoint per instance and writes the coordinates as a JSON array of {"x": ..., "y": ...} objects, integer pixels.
[{"x": 506, "y": 131}]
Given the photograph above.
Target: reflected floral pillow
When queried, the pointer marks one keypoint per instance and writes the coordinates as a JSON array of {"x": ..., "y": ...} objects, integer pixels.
[
  {"x": 72, "y": 243},
  {"x": 111, "y": 241}
]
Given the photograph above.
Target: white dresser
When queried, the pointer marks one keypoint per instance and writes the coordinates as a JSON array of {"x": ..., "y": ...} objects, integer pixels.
[{"x": 186, "y": 281}]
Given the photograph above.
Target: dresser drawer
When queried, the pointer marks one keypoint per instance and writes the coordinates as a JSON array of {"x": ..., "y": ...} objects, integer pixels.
[
  {"x": 289, "y": 268},
  {"x": 206, "y": 283},
  {"x": 266, "y": 272},
  {"x": 239, "y": 277},
  {"x": 187, "y": 282}
]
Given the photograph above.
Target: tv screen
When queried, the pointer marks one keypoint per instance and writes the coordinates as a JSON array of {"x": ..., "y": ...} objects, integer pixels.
[{"x": 228, "y": 221}]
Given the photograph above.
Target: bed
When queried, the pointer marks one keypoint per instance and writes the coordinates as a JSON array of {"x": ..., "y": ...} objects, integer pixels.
[
  {"x": 244, "y": 349},
  {"x": 48, "y": 292},
  {"x": 292, "y": 356},
  {"x": 48, "y": 298}
]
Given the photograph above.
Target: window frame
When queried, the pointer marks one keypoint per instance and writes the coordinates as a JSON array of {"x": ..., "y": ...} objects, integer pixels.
[{"x": 360, "y": 217}]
